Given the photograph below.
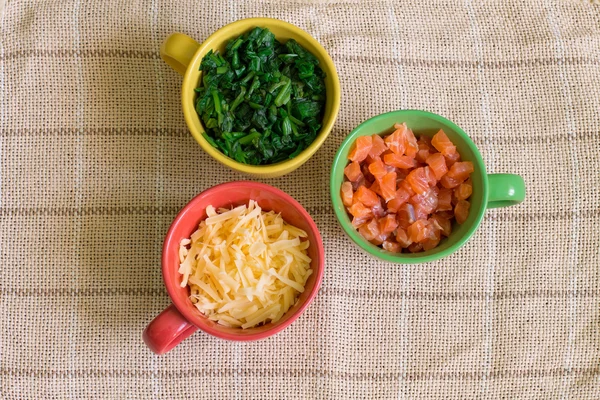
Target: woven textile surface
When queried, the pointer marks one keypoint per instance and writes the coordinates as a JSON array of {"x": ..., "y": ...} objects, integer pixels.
[{"x": 96, "y": 160}]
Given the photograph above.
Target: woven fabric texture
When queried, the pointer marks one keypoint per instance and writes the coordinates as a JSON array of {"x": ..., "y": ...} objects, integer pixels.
[{"x": 96, "y": 160}]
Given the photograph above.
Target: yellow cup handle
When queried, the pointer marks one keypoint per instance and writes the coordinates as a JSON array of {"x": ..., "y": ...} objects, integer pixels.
[{"x": 178, "y": 50}]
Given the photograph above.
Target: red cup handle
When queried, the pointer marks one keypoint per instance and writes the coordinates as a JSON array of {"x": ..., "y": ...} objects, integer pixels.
[{"x": 167, "y": 330}]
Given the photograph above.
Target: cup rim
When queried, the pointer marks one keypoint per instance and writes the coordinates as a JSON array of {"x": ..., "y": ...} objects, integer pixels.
[
  {"x": 282, "y": 167},
  {"x": 404, "y": 258},
  {"x": 191, "y": 315}
]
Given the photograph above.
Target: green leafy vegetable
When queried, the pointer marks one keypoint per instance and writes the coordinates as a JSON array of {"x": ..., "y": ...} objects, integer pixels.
[{"x": 262, "y": 101}]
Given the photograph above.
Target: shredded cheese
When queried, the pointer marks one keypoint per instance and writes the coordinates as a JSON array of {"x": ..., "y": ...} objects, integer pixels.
[{"x": 245, "y": 267}]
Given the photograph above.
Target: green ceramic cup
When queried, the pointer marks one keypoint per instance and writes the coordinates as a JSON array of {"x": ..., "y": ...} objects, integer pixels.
[{"x": 489, "y": 191}]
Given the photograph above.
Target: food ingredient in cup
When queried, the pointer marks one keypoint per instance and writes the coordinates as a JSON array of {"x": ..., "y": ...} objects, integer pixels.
[
  {"x": 402, "y": 193},
  {"x": 244, "y": 266},
  {"x": 261, "y": 101}
]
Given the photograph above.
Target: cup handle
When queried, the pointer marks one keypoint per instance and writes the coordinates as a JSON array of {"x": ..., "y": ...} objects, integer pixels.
[
  {"x": 178, "y": 50},
  {"x": 505, "y": 190},
  {"x": 167, "y": 330}
]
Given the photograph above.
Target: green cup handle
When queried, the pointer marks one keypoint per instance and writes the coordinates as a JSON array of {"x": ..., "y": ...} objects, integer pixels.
[{"x": 505, "y": 190}]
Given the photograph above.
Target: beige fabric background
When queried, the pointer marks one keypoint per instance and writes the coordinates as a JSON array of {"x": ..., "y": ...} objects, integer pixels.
[{"x": 96, "y": 160}]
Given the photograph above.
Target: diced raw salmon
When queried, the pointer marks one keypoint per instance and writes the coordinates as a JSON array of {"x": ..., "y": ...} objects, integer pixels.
[
  {"x": 402, "y": 197},
  {"x": 378, "y": 146},
  {"x": 361, "y": 149},
  {"x": 448, "y": 182},
  {"x": 375, "y": 187},
  {"x": 422, "y": 156},
  {"x": 437, "y": 163},
  {"x": 441, "y": 223},
  {"x": 366, "y": 196},
  {"x": 405, "y": 215},
  {"x": 364, "y": 168},
  {"x": 418, "y": 180},
  {"x": 452, "y": 158},
  {"x": 405, "y": 193},
  {"x": 442, "y": 144},
  {"x": 419, "y": 231},
  {"x": 388, "y": 186},
  {"x": 378, "y": 240},
  {"x": 388, "y": 223},
  {"x": 432, "y": 240},
  {"x": 427, "y": 200},
  {"x": 377, "y": 168},
  {"x": 370, "y": 230},
  {"x": 365, "y": 232},
  {"x": 424, "y": 142},
  {"x": 359, "y": 210},
  {"x": 395, "y": 141},
  {"x": 353, "y": 172},
  {"x": 464, "y": 190},
  {"x": 393, "y": 247},
  {"x": 402, "y": 238},
  {"x": 358, "y": 222},
  {"x": 446, "y": 214},
  {"x": 444, "y": 200},
  {"x": 401, "y": 175},
  {"x": 461, "y": 211},
  {"x": 410, "y": 143},
  {"x": 360, "y": 182},
  {"x": 347, "y": 193},
  {"x": 406, "y": 186},
  {"x": 379, "y": 211},
  {"x": 420, "y": 212},
  {"x": 425, "y": 149},
  {"x": 403, "y": 162},
  {"x": 430, "y": 176},
  {"x": 461, "y": 170},
  {"x": 415, "y": 248}
]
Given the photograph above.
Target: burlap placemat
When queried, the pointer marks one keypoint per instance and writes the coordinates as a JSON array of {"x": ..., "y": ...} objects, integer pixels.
[{"x": 96, "y": 160}]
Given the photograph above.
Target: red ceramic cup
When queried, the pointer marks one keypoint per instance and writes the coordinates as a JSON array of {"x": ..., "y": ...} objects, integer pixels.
[{"x": 182, "y": 318}]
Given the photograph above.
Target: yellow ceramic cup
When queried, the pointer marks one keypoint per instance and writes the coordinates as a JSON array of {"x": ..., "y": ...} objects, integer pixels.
[{"x": 184, "y": 55}]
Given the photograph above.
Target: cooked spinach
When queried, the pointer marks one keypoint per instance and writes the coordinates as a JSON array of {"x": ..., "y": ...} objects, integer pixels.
[{"x": 262, "y": 101}]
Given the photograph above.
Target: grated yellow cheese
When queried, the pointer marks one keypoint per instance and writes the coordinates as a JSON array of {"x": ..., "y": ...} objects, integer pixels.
[{"x": 245, "y": 267}]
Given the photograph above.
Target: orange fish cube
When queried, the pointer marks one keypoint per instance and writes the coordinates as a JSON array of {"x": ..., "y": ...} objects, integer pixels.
[
  {"x": 418, "y": 231},
  {"x": 353, "y": 172},
  {"x": 361, "y": 149},
  {"x": 418, "y": 180},
  {"x": 444, "y": 200},
  {"x": 388, "y": 186},
  {"x": 442, "y": 143},
  {"x": 359, "y": 210},
  {"x": 395, "y": 141},
  {"x": 347, "y": 193},
  {"x": 432, "y": 240},
  {"x": 398, "y": 161},
  {"x": 388, "y": 223},
  {"x": 437, "y": 163},
  {"x": 461, "y": 211},
  {"x": 366, "y": 196},
  {"x": 401, "y": 197},
  {"x": 378, "y": 169},
  {"x": 464, "y": 190},
  {"x": 448, "y": 182},
  {"x": 378, "y": 146},
  {"x": 452, "y": 158},
  {"x": 392, "y": 247},
  {"x": 410, "y": 143},
  {"x": 402, "y": 238},
  {"x": 406, "y": 215},
  {"x": 444, "y": 225},
  {"x": 461, "y": 170}
]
